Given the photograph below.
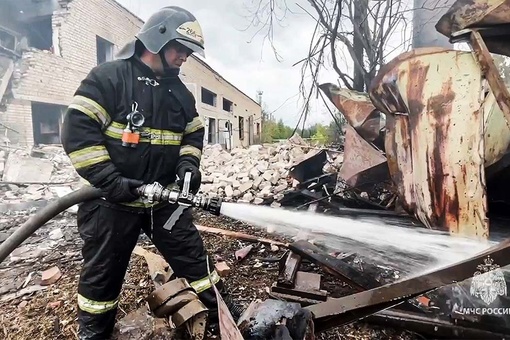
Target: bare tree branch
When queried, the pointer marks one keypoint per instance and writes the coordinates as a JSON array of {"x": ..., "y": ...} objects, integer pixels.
[{"x": 362, "y": 30}]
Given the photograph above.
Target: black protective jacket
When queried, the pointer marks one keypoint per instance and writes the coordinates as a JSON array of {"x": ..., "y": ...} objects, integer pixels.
[{"x": 93, "y": 125}]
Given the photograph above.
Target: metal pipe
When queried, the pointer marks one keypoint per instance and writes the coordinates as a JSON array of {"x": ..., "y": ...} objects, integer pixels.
[{"x": 44, "y": 215}]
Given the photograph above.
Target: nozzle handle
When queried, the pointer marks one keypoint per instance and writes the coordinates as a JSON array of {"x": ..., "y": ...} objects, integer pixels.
[{"x": 186, "y": 185}]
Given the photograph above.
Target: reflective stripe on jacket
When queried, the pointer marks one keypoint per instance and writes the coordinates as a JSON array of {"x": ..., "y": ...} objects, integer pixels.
[{"x": 95, "y": 120}]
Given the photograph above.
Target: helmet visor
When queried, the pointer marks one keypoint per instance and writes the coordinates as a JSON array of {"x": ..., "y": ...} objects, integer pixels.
[{"x": 192, "y": 46}]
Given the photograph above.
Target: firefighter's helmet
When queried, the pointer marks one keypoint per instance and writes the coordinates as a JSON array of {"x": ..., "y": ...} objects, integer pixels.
[{"x": 171, "y": 23}]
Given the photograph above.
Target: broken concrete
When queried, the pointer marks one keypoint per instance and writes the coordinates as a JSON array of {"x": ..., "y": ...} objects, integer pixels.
[
  {"x": 20, "y": 168},
  {"x": 257, "y": 173}
]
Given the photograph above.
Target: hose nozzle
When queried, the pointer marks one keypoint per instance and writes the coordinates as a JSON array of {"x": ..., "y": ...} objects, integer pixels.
[{"x": 155, "y": 192}]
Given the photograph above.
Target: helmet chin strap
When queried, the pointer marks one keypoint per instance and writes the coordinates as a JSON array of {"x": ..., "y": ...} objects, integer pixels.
[
  {"x": 167, "y": 70},
  {"x": 166, "y": 67}
]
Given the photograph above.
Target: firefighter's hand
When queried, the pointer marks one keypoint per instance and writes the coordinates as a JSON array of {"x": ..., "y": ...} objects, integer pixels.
[
  {"x": 121, "y": 189},
  {"x": 196, "y": 176}
]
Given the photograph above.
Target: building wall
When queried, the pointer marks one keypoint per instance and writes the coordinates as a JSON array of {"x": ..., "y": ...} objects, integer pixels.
[
  {"x": 53, "y": 76},
  {"x": 197, "y": 74},
  {"x": 18, "y": 117}
]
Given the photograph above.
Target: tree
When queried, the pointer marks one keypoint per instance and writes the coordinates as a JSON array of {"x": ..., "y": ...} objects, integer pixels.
[
  {"x": 362, "y": 28},
  {"x": 321, "y": 135}
]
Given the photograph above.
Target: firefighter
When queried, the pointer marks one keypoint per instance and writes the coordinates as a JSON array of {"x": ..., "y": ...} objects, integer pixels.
[{"x": 133, "y": 121}]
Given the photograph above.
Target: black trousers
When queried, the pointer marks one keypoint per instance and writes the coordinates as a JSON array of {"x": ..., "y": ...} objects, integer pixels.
[{"x": 109, "y": 236}]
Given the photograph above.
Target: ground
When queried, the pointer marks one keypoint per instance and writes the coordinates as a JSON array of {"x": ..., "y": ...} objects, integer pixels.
[{"x": 51, "y": 313}]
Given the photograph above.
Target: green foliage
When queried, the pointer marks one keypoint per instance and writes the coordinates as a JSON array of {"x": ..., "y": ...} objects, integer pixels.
[{"x": 319, "y": 134}]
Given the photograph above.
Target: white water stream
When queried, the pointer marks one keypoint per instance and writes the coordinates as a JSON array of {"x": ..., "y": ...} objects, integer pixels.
[{"x": 410, "y": 250}]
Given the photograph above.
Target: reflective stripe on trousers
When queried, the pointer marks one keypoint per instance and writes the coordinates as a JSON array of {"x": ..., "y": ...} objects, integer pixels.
[
  {"x": 96, "y": 307},
  {"x": 205, "y": 283}
]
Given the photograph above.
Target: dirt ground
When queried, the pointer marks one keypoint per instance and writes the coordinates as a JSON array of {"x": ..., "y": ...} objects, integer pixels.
[{"x": 51, "y": 313}]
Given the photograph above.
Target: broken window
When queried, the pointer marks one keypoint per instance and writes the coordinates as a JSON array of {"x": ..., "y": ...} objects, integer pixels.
[
  {"x": 212, "y": 131},
  {"x": 46, "y": 122},
  {"x": 258, "y": 129},
  {"x": 40, "y": 33},
  {"x": 208, "y": 97},
  {"x": 104, "y": 50},
  {"x": 228, "y": 105},
  {"x": 7, "y": 40},
  {"x": 241, "y": 128}
]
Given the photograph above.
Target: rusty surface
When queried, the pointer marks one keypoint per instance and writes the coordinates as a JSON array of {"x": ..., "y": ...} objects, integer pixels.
[
  {"x": 340, "y": 311},
  {"x": 185, "y": 314},
  {"x": 240, "y": 254},
  {"x": 175, "y": 303},
  {"x": 491, "y": 73},
  {"x": 288, "y": 271},
  {"x": 359, "y": 156},
  {"x": 491, "y": 18},
  {"x": 473, "y": 13},
  {"x": 167, "y": 291},
  {"x": 357, "y": 109},
  {"x": 228, "y": 328},
  {"x": 159, "y": 269},
  {"x": 198, "y": 326},
  {"x": 436, "y": 149}
]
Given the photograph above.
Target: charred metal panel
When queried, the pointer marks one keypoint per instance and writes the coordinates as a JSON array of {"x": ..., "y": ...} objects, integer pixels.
[
  {"x": 362, "y": 159},
  {"x": 435, "y": 143},
  {"x": 359, "y": 156},
  {"x": 339, "y": 311},
  {"x": 492, "y": 17},
  {"x": 357, "y": 109},
  {"x": 473, "y": 13}
]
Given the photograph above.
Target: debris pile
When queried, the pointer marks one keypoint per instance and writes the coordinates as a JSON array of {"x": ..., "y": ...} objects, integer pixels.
[
  {"x": 44, "y": 164},
  {"x": 260, "y": 174},
  {"x": 31, "y": 177}
]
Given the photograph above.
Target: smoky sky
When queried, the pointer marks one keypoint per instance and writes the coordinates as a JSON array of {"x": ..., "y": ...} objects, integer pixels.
[{"x": 244, "y": 57}]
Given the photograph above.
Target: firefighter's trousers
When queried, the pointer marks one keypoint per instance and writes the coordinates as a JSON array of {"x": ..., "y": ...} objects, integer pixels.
[{"x": 109, "y": 236}]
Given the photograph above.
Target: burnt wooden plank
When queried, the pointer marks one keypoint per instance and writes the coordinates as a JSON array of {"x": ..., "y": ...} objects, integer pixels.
[
  {"x": 346, "y": 272},
  {"x": 318, "y": 295},
  {"x": 288, "y": 271}
]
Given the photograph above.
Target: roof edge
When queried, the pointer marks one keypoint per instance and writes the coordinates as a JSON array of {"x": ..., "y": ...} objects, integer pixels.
[{"x": 219, "y": 75}]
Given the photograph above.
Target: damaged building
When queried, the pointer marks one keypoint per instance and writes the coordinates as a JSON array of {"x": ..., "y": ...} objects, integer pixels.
[{"x": 47, "y": 47}]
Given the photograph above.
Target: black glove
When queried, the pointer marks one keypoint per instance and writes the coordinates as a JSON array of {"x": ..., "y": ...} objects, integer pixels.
[
  {"x": 121, "y": 189},
  {"x": 196, "y": 175}
]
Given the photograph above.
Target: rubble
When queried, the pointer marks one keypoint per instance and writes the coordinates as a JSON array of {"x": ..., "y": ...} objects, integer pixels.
[
  {"x": 50, "y": 276},
  {"x": 259, "y": 174}
]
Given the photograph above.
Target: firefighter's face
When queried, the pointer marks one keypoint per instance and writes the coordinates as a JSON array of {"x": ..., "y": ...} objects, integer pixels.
[{"x": 176, "y": 55}]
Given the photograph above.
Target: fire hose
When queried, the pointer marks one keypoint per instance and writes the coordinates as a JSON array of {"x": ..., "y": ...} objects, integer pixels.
[{"x": 151, "y": 192}]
